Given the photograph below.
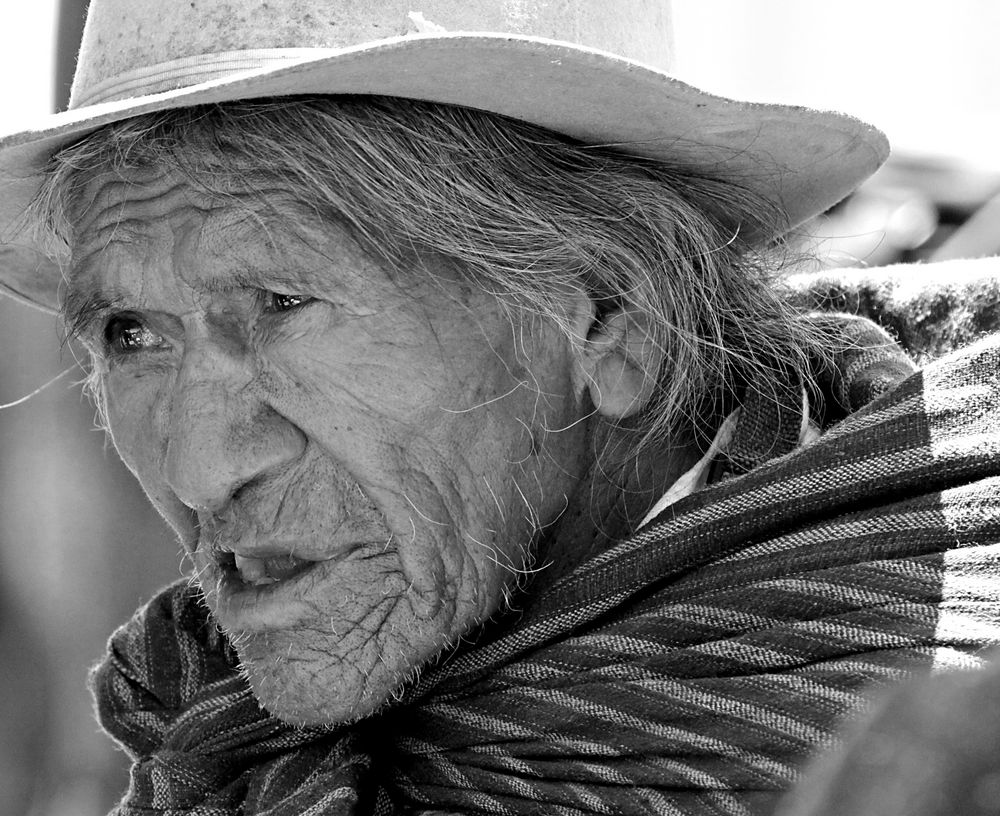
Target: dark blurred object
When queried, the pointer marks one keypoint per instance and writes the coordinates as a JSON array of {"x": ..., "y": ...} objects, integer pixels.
[
  {"x": 977, "y": 237},
  {"x": 929, "y": 749},
  {"x": 930, "y": 308}
]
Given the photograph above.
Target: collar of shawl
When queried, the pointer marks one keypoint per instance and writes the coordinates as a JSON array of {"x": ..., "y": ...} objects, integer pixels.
[{"x": 691, "y": 668}]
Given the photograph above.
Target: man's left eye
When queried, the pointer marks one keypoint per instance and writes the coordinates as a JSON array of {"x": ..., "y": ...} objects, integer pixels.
[
  {"x": 277, "y": 302},
  {"x": 127, "y": 334}
]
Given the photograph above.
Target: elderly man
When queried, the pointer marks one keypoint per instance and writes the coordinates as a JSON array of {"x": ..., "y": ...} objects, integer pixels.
[{"x": 427, "y": 345}]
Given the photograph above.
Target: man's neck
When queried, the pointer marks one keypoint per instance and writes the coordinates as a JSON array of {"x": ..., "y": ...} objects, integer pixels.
[{"x": 616, "y": 495}]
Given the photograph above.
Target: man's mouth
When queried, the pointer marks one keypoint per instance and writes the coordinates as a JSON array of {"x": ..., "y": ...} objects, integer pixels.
[
  {"x": 261, "y": 571},
  {"x": 257, "y": 594},
  {"x": 254, "y": 594}
]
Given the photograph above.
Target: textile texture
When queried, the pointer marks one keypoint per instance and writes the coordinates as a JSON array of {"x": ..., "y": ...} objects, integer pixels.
[
  {"x": 930, "y": 308},
  {"x": 690, "y": 669}
]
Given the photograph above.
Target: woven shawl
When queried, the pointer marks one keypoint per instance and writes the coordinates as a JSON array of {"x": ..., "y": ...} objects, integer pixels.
[{"x": 690, "y": 669}]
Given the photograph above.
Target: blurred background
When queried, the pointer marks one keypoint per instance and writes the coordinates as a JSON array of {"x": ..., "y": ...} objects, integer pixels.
[{"x": 80, "y": 549}]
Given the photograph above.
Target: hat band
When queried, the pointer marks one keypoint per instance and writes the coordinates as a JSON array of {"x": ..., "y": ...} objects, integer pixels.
[{"x": 189, "y": 71}]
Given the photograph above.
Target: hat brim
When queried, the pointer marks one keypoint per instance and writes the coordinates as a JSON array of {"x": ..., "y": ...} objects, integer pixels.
[{"x": 802, "y": 160}]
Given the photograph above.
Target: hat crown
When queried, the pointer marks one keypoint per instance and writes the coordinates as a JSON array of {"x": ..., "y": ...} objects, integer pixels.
[{"x": 132, "y": 47}]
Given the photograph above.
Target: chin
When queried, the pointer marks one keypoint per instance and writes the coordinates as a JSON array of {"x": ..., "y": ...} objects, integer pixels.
[
  {"x": 339, "y": 639},
  {"x": 306, "y": 687},
  {"x": 302, "y": 706}
]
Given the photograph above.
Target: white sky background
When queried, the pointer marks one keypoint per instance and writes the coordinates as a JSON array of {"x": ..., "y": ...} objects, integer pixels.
[
  {"x": 27, "y": 41},
  {"x": 926, "y": 72}
]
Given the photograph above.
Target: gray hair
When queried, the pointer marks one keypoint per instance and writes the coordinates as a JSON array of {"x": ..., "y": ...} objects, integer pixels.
[{"x": 521, "y": 211}]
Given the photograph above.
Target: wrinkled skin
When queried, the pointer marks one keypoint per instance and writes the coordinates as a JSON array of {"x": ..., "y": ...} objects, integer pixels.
[{"x": 279, "y": 392}]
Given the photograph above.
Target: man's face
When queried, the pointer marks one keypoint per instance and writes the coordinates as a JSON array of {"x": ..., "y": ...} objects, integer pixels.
[{"x": 356, "y": 458}]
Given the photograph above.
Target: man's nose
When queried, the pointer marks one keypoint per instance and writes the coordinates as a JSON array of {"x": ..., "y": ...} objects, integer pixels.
[{"x": 221, "y": 434}]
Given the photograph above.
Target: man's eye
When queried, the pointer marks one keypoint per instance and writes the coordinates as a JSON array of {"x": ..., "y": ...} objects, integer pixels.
[
  {"x": 124, "y": 335},
  {"x": 277, "y": 302}
]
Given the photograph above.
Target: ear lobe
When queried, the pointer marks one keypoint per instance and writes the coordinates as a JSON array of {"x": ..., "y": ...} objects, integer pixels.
[{"x": 621, "y": 362}]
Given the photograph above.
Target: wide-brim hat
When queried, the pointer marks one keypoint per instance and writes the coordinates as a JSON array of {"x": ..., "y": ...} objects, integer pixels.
[{"x": 594, "y": 70}]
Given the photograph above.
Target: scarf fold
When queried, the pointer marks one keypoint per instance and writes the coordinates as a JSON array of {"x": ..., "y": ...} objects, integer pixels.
[{"x": 690, "y": 669}]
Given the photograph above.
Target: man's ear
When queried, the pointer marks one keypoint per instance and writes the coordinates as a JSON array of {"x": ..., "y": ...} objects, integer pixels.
[{"x": 620, "y": 363}]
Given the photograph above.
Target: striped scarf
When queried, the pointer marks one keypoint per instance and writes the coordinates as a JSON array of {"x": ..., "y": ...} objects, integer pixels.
[{"x": 690, "y": 669}]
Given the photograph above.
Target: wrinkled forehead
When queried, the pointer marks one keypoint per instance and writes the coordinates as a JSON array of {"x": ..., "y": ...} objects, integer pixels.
[
  {"x": 134, "y": 229},
  {"x": 115, "y": 177},
  {"x": 129, "y": 227},
  {"x": 111, "y": 193}
]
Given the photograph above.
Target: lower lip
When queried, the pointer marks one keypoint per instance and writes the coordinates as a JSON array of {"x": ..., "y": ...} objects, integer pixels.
[
  {"x": 260, "y": 607},
  {"x": 243, "y": 607}
]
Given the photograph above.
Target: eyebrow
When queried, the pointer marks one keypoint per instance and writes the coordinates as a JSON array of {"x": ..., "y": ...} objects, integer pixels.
[
  {"x": 255, "y": 277},
  {"x": 85, "y": 307},
  {"x": 82, "y": 311}
]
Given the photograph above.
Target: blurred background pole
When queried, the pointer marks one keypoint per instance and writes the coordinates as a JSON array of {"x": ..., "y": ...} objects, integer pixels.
[{"x": 69, "y": 28}]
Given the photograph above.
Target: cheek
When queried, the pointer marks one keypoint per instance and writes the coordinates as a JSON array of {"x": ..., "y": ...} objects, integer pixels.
[
  {"x": 327, "y": 375},
  {"x": 134, "y": 412},
  {"x": 398, "y": 395},
  {"x": 418, "y": 434},
  {"x": 129, "y": 408},
  {"x": 444, "y": 429}
]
